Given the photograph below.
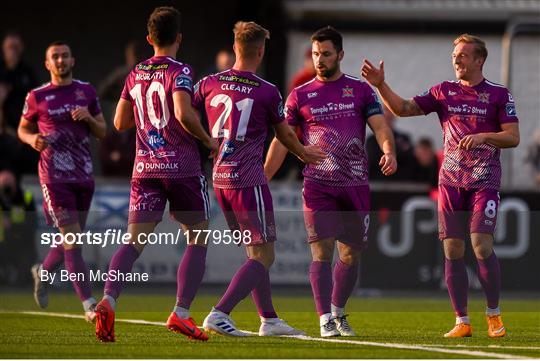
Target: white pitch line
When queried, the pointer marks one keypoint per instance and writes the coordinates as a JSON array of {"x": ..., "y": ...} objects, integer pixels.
[
  {"x": 415, "y": 347},
  {"x": 69, "y": 315},
  {"x": 487, "y": 346},
  {"x": 427, "y": 348}
]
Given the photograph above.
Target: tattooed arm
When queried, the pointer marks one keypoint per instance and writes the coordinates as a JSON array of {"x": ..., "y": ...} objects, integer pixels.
[{"x": 397, "y": 105}]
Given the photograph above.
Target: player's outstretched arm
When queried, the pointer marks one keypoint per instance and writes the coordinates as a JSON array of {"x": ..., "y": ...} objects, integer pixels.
[
  {"x": 397, "y": 105},
  {"x": 29, "y": 134},
  {"x": 508, "y": 137},
  {"x": 287, "y": 137},
  {"x": 385, "y": 139},
  {"x": 190, "y": 121},
  {"x": 124, "y": 118}
]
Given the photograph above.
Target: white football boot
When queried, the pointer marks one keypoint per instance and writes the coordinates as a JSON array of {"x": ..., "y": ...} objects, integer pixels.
[
  {"x": 343, "y": 326},
  {"x": 221, "y": 323},
  {"x": 90, "y": 310},
  {"x": 278, "y": 327},
  {"x": 41, "y": 296},
  {"x": 328, "y": 326}
]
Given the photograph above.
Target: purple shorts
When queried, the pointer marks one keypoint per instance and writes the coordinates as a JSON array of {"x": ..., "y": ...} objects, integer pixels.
[
  {"x": 67, "y": 203},
  {"x": 249, "y": 209},
  {"x": 463, "y": 209},
  {"x": 337, "y": 212},
  {"x": 188, "y": 200}
]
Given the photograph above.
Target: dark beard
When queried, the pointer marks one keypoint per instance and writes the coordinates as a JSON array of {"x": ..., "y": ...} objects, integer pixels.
[
  {"x": 328, "y": 73},
  {"x": 65, "y": 75}
]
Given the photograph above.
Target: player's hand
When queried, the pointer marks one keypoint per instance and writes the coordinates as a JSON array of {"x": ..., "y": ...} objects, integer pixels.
[
  {"x": 388, "y": 164},
  {"x": 472, "y": 140},
  {"x": 373, "y": 75},
  {"x": 39, "y": 142},
  {"x": 213, "y": 145},
  {"x": 81, "y": 113},
  {"x": 312, "y": 155}
]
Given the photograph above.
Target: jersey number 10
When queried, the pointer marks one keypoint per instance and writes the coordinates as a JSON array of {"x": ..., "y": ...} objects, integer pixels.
[{"x": 155, "y": 87}]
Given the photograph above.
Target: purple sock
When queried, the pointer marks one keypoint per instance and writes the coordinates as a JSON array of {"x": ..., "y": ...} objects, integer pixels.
[
  {"x": 190, "y": 274},
  {"x": 54, "y": 258},
  {"x": 122, "y": 261},
  {"x": 345, "y": 277},
  {"x": 489, "y": 274},
  {"x": 262, "y": 296},
  {"x": 320, "y": 276},
  {"x": 457, "y": 282},
  {"x": 244, "y": 281},
  {"x": 75, "y": 265}
]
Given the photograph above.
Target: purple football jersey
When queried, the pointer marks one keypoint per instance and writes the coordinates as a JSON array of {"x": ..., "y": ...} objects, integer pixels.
[
  {"x": 240, "y": 106},
  {"x": 333, "y": 115},
  {"x": 67, "y": 158},
  {"x": 164, "y": 148},
  {"x": 464, "y": 110}
]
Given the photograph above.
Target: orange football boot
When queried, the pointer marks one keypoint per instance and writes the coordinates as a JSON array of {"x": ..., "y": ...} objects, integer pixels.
[
  {"x": 495, "y": 326},
  {"x": 459, "y": 330},
  {"x": 105, "y": 322},
  {"x": 185, "y": 326}
]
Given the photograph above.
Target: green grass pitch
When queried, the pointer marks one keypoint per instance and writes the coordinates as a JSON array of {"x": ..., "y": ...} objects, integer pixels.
[{"x": 402, "y": 321}]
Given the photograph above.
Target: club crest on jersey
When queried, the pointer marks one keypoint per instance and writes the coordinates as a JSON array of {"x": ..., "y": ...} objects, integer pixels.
[
  {"x": 79, "y": 95},
  {"x": 155, "y": 140},
  {"x": 483, "y": 97},
  {"x": 347, "y": 92}
]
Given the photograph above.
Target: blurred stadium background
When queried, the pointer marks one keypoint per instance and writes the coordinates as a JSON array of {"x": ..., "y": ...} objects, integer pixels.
[{"x": 414, "y": 38}]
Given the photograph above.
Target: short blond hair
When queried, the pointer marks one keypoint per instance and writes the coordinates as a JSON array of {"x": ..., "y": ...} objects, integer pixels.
[
  {"x": 480, "y": 50},
  {"x": 249, "y": 37}
]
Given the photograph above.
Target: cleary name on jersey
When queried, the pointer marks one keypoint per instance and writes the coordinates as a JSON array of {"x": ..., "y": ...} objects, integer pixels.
[
  {"x": 164, "y": 148},
  {"x": 67, "y": 157},
  {"x": 464, "y": 110},
  {"x": 333, "y": 115},
  {"x": 240, "y": 106}
]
